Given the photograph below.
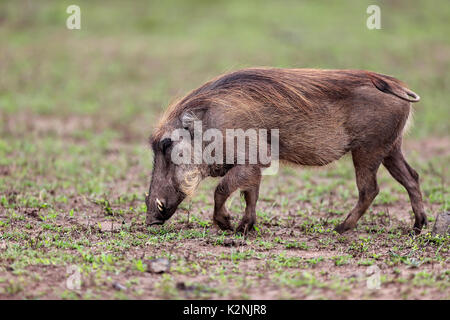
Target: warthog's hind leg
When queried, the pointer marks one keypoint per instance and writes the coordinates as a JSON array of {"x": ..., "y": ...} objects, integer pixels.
[
  {"x": 408, "y": 177},
  {"x": 366, "y": 164}
]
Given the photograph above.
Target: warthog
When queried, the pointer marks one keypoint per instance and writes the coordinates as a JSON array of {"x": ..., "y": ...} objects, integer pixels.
[{"x": 320, "y": 116}]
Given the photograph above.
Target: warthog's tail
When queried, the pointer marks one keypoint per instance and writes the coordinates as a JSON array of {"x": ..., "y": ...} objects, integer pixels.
[{"x": 393, "y": 86}]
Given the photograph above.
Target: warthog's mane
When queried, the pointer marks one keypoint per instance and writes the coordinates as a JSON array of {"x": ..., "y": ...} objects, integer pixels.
[{"x": 287, "y": 89}]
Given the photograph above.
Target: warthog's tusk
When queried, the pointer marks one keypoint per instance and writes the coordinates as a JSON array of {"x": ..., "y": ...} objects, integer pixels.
[{"x": 160, "y": 205}]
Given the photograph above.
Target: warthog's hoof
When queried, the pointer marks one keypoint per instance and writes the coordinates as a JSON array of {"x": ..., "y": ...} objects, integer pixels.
[
  {"x": 245, "y": 227},
  {"x": 342, "y": 227},
  {"x": 419, "y": 224},
  {"x": 223, "y": 222},
  {"x": 442, "y": 224}
]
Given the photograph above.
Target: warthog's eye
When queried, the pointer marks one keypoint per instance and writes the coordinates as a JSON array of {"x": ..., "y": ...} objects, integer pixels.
[{"x": 165, "y": 144}]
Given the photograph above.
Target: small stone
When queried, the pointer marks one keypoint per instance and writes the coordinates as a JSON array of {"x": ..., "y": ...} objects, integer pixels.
[
  {"x": 442, "y": 224},
  {"x": 160, "y": 265},
  {"x": 118, "y": 286}
]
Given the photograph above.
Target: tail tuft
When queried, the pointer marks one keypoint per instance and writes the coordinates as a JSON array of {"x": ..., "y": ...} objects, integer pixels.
[{"x": 412, "y": 94}]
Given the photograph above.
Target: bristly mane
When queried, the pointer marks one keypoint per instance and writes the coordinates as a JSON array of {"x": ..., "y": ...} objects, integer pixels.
[{"x": 248, "y": 89}]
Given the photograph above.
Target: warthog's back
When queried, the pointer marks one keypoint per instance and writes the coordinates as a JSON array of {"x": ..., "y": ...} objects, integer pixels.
[{"x": 311, "y": 108}]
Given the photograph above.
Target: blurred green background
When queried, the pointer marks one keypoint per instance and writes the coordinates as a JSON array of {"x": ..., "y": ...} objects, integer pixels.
[{"x": 131, "y": 58}]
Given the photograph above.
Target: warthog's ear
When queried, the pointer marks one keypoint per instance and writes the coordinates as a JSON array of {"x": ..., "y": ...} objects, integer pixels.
[{"x": 189, "y": 117}]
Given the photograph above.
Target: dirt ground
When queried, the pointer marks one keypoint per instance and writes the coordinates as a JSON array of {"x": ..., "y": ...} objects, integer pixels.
[{"x": 56, "y": 229}]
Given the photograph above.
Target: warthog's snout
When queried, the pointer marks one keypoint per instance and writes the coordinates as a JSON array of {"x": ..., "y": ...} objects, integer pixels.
[
  {"x": 160, "y": 209},
  {"x": 156, "y": 210},
  {"x": 152, "y": 221}
]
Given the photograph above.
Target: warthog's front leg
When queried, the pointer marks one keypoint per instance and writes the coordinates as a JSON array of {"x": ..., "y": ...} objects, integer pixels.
[
  {"x": 250, "y": 196},
  {"x": 247, "y": 178}
]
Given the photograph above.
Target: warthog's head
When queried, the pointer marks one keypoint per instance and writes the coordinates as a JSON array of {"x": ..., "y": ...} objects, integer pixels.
[{"x": 171, "y": 181}]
